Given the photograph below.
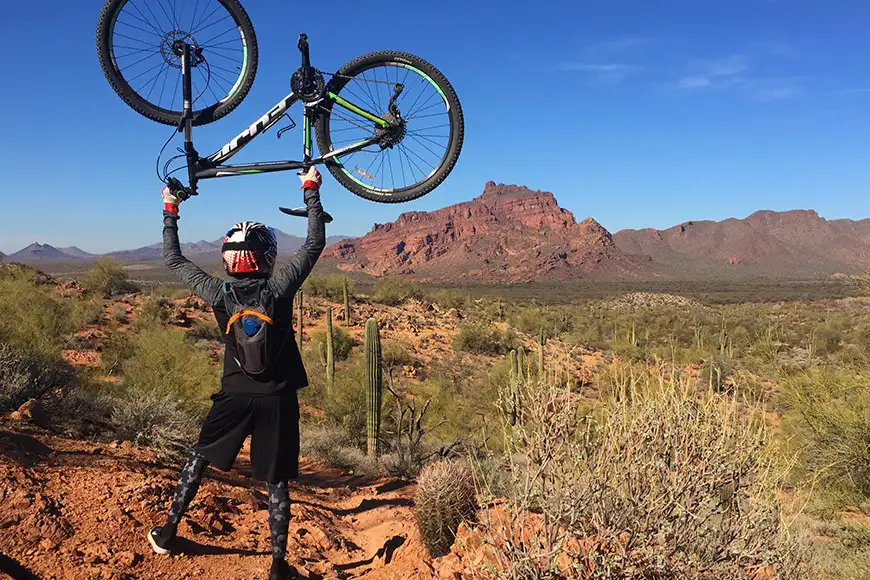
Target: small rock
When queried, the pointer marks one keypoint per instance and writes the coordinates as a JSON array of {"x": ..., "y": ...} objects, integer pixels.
[
  {"x": 33, "y": 411},
  {"x": 48, "y": 544},
  {"x": 126, "y": 445},
  {"x": 127, "y": 558}
]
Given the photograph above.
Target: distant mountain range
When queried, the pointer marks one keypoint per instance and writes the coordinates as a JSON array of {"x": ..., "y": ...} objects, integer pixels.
[
  {"x": 512, "y": 234},
  {"x": 36, "y": 252}
]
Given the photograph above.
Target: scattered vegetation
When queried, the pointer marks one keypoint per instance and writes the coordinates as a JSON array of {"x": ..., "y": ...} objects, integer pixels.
[
  {"x": 394, "y": 291},
  {"x": 329, "y": 286},
  {"x": 107, "y": 278}
]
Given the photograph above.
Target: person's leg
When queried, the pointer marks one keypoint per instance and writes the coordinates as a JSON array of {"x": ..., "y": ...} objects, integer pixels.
[
  {"x": 279, "y": 518},
  {"x": 222, "y": 435},
  {"x": 275, "y": 459},
  {"x": 185, "y": 491}
]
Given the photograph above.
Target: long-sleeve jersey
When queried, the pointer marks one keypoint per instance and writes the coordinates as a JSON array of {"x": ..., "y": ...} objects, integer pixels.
[{"x": 289, "y": 371}]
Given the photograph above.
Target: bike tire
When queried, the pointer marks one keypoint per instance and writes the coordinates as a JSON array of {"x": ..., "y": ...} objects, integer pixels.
[
  {"x": 457, "y": 127},
  {"x": 152, "y": 111}
]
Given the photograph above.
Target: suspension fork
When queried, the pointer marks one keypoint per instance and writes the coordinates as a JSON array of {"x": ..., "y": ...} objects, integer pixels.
[
  {"x": 186, "y": 124},
  {"x": 309, "y": 111}
]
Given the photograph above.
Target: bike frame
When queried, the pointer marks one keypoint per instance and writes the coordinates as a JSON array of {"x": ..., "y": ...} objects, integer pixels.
[{"x": 213, "y": 165}]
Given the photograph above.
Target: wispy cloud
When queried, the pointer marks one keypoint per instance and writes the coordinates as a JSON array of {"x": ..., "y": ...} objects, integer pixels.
[
  {"x": 736, "y": 73},
  {"x": 606, "y": 62},
  {"x": 607, "y": 73}
]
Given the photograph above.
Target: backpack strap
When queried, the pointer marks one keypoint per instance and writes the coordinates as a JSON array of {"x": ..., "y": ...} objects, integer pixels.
[{"x": 238, "y": 315}]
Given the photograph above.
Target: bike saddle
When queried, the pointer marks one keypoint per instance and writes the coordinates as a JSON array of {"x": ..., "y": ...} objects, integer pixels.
[{"x": 303, "y": 212}]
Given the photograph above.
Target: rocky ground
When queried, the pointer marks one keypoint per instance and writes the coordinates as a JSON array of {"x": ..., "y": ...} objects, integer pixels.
[{"x": 74, "y": 509}]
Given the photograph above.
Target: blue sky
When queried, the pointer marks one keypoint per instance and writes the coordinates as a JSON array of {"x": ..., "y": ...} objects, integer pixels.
[{"x": 638, "y": 113}]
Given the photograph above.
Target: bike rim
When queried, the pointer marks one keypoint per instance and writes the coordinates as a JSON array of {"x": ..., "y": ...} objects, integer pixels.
[
  {"x": 428, "y": 133},
  {"x": 141, "y": 36}
]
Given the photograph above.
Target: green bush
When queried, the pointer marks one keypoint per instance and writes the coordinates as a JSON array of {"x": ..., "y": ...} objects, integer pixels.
[
  {"x": 107, "y": 278},
  {"x": 153, "y": 312},
  {"x": 32, "y": 317},
  {"x": 394, "y": 291},
  {"x": 27, "y": 375},
  {"x": 482, "y": 338},
  {"x": 450, "y": 299},
  {"x": 829, "y": 430},
  {"x": 329, "y": 286},
  {"x": 165, "y": 389},
  {"x": 342, "y": 341}
]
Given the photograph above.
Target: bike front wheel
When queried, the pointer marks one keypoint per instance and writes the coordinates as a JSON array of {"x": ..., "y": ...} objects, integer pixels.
[
  {"x": 426, "y": 131},
  {"x": 137, "y": 44}
]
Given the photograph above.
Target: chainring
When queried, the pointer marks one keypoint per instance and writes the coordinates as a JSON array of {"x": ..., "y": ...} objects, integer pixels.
[{"x": 314, "y": 91}]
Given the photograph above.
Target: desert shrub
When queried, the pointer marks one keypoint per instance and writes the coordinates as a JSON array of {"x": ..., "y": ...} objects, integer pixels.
[
  {"x": 342, "y": 342},
  {"x": 158, "y": 419},
  {"x": 87, "y": 310},
  {"x": 118, "y": 313},
  {"x": 662, "y": 483},
  {"x": 829, "y": 429},
  {"x": 107, "y": 278},
  {"x": 153, "y": 312},
  {"x": 28, "y": 375},
  {"x": 449, "y": 299},
  {"x": 345, "y": 404},
  {"x": 329, "y": 286},
  {"x": 165, "y": 389},
  {"x": 395, "y": 355},
  {"x": 206, "y": 330},
  {"x": 117, "y": 349},
  {"x": 31, "y": 317},
  {"x": 482, "y": 338},
  {"x": 332, "y": 444},
  {"x": 394, "y": 291},
  {"x": 444, "y": 499}
]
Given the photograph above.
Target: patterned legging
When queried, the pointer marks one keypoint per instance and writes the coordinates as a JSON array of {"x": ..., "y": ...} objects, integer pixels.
[{"x": 188, "y": 485}]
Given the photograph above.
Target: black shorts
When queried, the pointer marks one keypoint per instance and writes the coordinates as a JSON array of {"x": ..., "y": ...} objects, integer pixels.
[{"x": 271, "y": 420}]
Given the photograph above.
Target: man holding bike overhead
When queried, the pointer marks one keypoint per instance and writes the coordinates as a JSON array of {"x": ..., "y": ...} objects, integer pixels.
[{"x": 262, "y": 365}]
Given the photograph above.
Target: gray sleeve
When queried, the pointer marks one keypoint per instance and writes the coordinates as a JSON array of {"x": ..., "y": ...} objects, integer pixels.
[
  {"x": 203, "y": 285},
  {"x": 286, "y": 281}
]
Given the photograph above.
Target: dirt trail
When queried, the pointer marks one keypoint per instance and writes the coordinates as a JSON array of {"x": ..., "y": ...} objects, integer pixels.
[{"x": 79, "y": 510}]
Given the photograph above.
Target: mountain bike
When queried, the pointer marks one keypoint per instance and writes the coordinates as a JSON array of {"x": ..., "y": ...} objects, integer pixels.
[{"x": 388, "y": 125}]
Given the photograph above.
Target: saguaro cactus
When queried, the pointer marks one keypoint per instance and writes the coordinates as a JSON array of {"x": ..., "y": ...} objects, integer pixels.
[
  {"x": 346, "y": 303},
  {"x": 374, "y": 380},
  {"x": 516, "y": 377},
  {"x": 521, "y": 364},
  {"x": 299, "y": 320},
  {"x": 327, "y": 352},
  {"x": 541, "y": 340}
]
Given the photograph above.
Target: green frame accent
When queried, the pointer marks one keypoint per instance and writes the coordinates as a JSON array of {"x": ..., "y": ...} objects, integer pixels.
[{"x": 359, "y": 111}]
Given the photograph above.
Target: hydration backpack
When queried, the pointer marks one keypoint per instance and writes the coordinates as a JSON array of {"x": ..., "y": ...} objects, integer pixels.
[{"x": 251, "y": 325}]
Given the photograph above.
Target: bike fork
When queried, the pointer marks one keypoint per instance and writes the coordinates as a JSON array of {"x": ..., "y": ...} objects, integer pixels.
[
  {"x": 309, "y": 111},
  {"x": 187, "y": 118}
]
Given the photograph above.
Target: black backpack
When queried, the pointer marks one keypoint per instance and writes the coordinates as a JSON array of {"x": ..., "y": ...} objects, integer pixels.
[{"x": 252, "y": 326}]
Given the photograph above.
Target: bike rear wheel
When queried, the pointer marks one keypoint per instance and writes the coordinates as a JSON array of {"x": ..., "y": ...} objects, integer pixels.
[
  {"x": 135, "y": 45},
  {"x": 415, "y": 158}
]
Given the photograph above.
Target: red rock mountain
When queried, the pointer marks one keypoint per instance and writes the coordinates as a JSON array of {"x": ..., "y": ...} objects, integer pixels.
[
  {"x": 793, "y": 244},
  {"x": 507, "y": 234},
  {"x": 512, "y": 234}
]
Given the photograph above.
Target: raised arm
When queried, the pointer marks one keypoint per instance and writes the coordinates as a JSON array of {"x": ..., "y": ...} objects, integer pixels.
[
  {"x": 287, "y": 280},
  {"x": 203, "y": 285}
]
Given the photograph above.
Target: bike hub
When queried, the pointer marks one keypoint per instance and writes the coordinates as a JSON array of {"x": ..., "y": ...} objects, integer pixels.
[
  {"x": 393, "y": 133},
  {"x": 172, "y": 48}
]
